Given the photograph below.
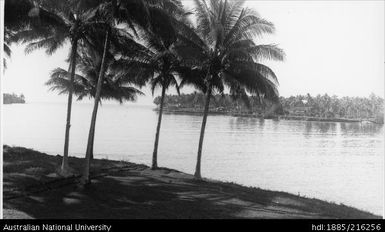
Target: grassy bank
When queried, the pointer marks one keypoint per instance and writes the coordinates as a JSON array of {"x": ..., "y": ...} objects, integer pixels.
[{"x": 32, "y": 189}]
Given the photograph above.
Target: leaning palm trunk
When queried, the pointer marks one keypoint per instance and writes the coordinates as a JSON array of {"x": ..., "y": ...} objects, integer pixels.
[
  {"x": 92, "y": 142},
  {"x": 92, "y": 145},
  {"x": 64, "y": 166},
  {"x": 155, "y": 153},
  {"x": 91, "y": 135},
  {"x": 203, "y": 127}
]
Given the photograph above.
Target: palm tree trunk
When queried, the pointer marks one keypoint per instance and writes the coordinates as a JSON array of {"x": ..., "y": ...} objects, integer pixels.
[
  {"x": 64, "y": 165},
  {"x": 155, "y": 153},
  {"x": 86, "y": 171},
  {"x": 205, "y": 113},
  {"x": 92, "y": 146}
]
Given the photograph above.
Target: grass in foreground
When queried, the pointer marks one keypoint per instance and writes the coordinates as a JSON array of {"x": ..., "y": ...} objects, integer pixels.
[{"x": 32, "y": 189}]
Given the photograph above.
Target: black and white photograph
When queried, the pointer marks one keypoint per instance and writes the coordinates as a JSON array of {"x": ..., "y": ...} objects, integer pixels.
[{"x": 192, "y": 109}]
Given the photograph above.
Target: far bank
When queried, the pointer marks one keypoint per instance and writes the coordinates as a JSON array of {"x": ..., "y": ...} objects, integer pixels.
[{"x": 261, "y": 116}]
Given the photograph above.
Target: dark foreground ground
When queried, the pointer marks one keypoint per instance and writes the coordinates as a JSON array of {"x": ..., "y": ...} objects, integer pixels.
[{"x": 32, "y": 189}]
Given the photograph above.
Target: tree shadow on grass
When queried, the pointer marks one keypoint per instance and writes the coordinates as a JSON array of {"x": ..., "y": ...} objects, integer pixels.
[
  {"x": 129, "y": 194},
  {"x": 120, "y": 197}
]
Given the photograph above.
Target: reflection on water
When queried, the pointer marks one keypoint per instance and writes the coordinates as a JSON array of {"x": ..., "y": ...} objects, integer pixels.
[
  {"x": 308, "y": 129},
  {"x": 325, "y": 127},
  {"x": 340, "y": 162},
  {"x": 239, "y": 123},
  {"x": 361, "y": 128}
]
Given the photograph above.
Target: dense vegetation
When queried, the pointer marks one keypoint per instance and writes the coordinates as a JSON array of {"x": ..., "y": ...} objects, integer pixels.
[
  {"x": 333, "y": 106},
  {"x": 324, "y": 106},
  {"x": 13, "y": 98}
]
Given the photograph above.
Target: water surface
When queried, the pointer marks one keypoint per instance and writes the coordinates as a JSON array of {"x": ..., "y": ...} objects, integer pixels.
[{"x": 339, "y": 162}]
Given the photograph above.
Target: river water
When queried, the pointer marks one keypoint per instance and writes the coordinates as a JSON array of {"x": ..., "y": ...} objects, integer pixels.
[{"x": 338, "y": 162}]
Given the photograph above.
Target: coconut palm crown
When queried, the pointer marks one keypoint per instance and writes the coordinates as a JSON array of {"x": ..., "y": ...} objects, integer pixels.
[{"x": 115, "y": 86}]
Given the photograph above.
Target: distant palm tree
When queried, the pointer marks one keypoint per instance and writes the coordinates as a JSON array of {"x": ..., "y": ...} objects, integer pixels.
[
  {"x": 222, "y": 46},
  {"x": 55, "y": 23}
]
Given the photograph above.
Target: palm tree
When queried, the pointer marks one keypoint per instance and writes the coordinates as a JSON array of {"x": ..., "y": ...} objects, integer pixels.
[
  {"x": 222, "y": 46},
  {"x": 55, "y": 23},
  {"x": 159, "y": 65},
  {"x": 131, "y": 13},
  {"x": 156, "y": 61}
]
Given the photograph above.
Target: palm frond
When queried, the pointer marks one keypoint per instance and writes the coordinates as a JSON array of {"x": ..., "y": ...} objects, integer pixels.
[
  {"x": 253, "y": 82},
  {"x": 30, "y": 35},
  {"x": 51, "y": 44},
  {"x": 263, "y": 70},
  {"x": 16, "y": 15},
  {"x": 248, "y": 26},
  {"x": 234, "y": 9},
  {"x": 60, "y": 81},
  {"x": 155, "y": 82},
  {"x": 269, "y": 51},
  {"x": 203, "y": 14},
  {"x": 193, "y": 77},
  {"x": 49, "y": 18},
  {"x": 7, "y": 50}
]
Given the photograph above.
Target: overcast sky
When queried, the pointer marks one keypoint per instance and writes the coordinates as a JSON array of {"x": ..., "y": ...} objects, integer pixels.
[{"x": 334, "y": 47}]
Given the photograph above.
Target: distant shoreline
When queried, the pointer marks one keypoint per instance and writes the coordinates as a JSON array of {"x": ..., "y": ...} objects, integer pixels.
[
  {"x": 193, "y": 111},
  {"x": 279, "y": 117},
  {"x": 107, "y": 103},
  {"x": 13, "y": 99},
  {"x": 11, "y": 103}
]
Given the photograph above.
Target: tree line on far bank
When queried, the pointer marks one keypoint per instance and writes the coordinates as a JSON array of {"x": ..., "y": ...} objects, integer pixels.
[
  {"x": 13, "y": 98},
  {"x": 324, "y": 106}
]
